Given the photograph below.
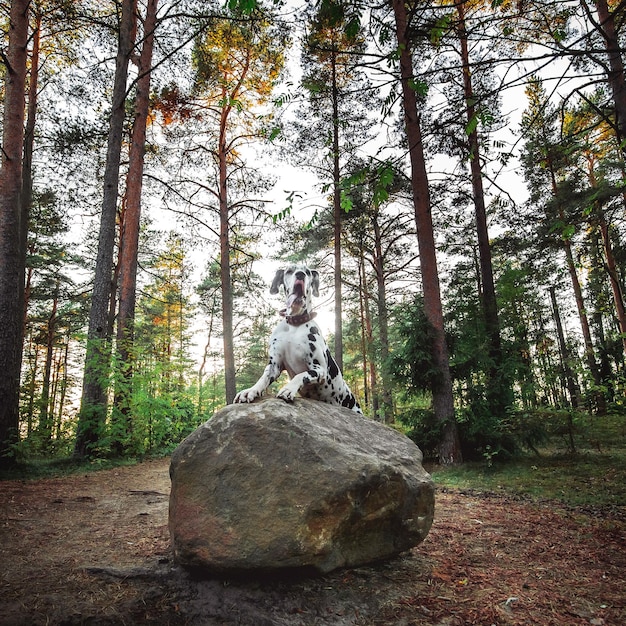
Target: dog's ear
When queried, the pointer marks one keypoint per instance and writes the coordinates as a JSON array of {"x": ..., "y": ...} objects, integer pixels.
[
  {"x": 278, "y": 281},
  {"x": 315, "y": 283}
]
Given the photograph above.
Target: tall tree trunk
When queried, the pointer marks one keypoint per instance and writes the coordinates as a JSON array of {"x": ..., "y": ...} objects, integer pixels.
[
  {"x": 528, "y": 386},
  {"x": 369, "y": 337},
  {"x": 363, "y": 319},
  {"x": 66, "y": 352},
  {"x": 129, "y": 244},
  {"x": 205, "y": 355},
  {"x": 596, "y": 287},
  {"x": 611, "y": 265},
  {"x": 383, "y": 322},
  {"x": 30, "y": 405},
  {"x": 337, "y": 216},
  {"x": 570, "y": 383},
  {"x": 45, "y": 418},
  {"x": 27, "y": 164},
  {"x": 580, "y": 304},
  {"x": 498, "y": 393},
  {"x": 443, "y": 405},
  {"x": 225, "y": 269},
  {"x": 611, "y": 268},
  {"x": 584, "y": 324},
  {"x": 11, "y": 270},
  {"x": 93, "y": 407},
  {"x": 616, "y": 78}
]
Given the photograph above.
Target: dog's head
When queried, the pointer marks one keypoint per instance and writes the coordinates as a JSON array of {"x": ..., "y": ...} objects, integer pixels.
[{"x": 300, "y": 284}]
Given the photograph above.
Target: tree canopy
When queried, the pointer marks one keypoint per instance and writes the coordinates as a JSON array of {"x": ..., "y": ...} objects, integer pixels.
[{"x": 454, "y": 170}]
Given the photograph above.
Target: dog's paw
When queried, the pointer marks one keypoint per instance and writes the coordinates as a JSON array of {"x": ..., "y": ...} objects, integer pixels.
[
  {"x": 286, "y": 394},
  {"x": 246, "y": 396}
]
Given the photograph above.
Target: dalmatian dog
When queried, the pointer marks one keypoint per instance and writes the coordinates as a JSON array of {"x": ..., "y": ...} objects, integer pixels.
[{"x": 297, "y": 346}]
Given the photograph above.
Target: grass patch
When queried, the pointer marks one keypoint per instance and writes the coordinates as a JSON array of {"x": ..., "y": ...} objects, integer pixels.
[
  {"x": 584, "y": 479},
  {"x": 36, "y": 468},
  {"x": 593, "y": 474}
]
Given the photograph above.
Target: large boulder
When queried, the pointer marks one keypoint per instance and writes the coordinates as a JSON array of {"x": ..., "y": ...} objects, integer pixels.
[{"x": 272, "y": 486}]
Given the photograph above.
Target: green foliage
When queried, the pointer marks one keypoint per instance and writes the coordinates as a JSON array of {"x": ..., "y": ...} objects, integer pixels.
[
  {"x": 34, "y": 468},
  {"x": 411, "y": 364},
  {"x": 161, "y": 423},
  {"x": 440, "y": 28},
  {"x": 595, "y": 476},
  {"x": 384, "y": 181},
  {"x": 471, "y": 126},
  {"x": 420, "y": 87},
  {"x": 423, "y": 428},
  {"x": 237, "y": 62},
  {"x": 244, "y": 6},
  {"x": 484, "y": 435},
  {"x": 339, "y": 16}
]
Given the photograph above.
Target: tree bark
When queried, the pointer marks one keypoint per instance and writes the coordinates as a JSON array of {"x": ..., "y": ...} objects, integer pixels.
[
  {"x": 45, "y": 415},
  {"x": 93, "y": 408},
  {"x": 497, "y": 392},
  {"x": 129, "y": 246},
  {"x": 372, "y": 398},
  {"x": 443, "y": 405},
  {"x": 363, "y": 325},
  {"x": 11, "y": 264},
  {"x": 386, "y": 408},
  {"x": 584, "y": 324},
  {"x": 225, "y": 269},
  {"x": 611, "y": 265},
  {"x": 611, "y": 268},
  {"x": 205, "y": 354},
  {"x": 27, "y": 164},
  {"x": 615, "y": 75},
  {"x": 570, "y": 383},
  {"x": 337, "y": 217},
  {"x": 580, "y": 304}
]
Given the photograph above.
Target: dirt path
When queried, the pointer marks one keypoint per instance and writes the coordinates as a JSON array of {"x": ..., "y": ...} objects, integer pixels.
[{"x": 94, "y": 549}]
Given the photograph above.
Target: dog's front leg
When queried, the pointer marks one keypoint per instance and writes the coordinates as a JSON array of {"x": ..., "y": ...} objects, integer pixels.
[
  {"x": 270, "y": 374},
  {"x": 312, "y": 376}
]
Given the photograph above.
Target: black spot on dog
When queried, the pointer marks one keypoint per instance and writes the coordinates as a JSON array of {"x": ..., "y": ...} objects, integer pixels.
[
  {"x": 312, "y": 337},
  {"x": 312, "y": 348},
  {"x": 349, "y": 401},
  {"x": 315, "y": 331},
  {"x": 333, "y": 370},
  {"x": 312, "y": 374}
]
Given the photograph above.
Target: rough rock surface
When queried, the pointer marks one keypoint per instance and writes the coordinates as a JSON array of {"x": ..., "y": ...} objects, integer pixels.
[{"x": 307, "y": 486}]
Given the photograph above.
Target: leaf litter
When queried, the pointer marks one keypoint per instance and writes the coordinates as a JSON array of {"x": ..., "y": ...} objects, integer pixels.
[{"x": 95, "y": 549}]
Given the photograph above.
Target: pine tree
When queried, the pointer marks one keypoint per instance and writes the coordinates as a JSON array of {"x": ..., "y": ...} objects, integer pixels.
[
  {"x": 129, "y": 240},
  {"x": 545, "y": 160},
  {"x": 93, "y": 409},
  {"x": 498, "y": 389},
  {"x": 443, "y": 404},
  {"x": 335, "y": 88},
  {"x": 11, "y": 257},
  {"x": 237, "y": 62}
]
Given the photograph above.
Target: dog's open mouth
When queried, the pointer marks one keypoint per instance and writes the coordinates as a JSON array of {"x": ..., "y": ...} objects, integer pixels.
[{"x": 296, "y": 297}]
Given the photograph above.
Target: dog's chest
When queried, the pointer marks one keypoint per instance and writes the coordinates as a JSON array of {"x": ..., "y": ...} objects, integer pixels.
[{"x": 298, "y": 347}]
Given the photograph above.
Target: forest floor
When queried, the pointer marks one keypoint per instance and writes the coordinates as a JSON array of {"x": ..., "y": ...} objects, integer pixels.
[{"x": 94, "y": 549}]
